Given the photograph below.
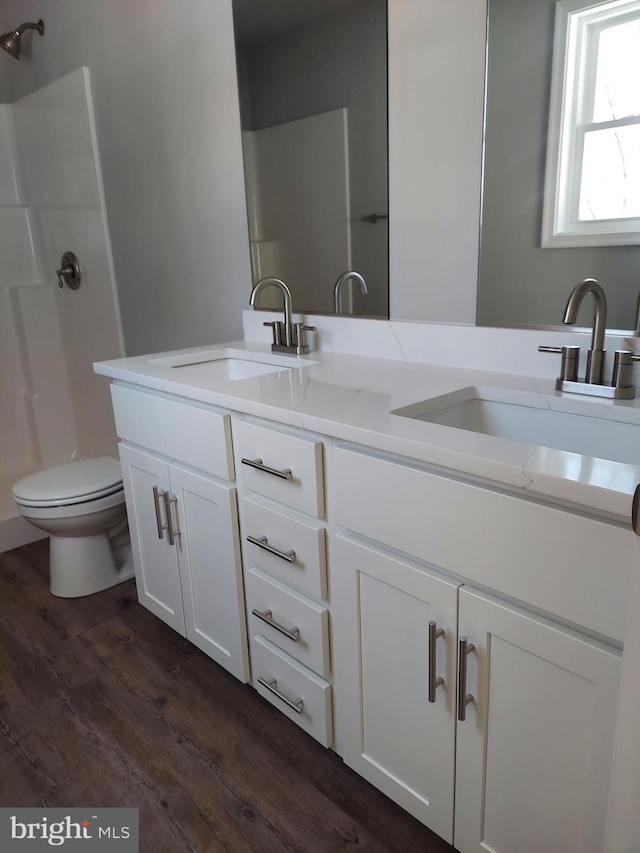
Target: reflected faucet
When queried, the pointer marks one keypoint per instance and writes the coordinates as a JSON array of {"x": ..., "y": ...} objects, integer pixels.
[
  {"x": 595, "y": 356},
  {"x": 337, "y": 290},
  {"x": 288, "y": 310}
]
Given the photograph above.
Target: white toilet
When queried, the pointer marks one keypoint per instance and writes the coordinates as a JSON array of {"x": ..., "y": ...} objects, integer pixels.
[{"x": 81, "y": 506}]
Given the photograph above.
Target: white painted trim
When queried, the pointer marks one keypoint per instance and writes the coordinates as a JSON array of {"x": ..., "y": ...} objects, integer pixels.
[
  {"x": 15, "y": 532},
  {"x": 574, "y": 20}
]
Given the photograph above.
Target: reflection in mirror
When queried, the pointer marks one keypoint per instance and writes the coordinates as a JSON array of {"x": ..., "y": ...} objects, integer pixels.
[
  {"x": 521, "y": 283},
  {"x": 312, "y": 81}
]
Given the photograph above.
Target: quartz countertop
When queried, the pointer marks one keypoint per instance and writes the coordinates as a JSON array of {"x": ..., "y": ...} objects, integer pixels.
[{"x": 352, "y": 398}]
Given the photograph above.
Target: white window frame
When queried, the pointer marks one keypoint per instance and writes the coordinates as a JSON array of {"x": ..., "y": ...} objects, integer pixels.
[{"x": 577, "y": 23}]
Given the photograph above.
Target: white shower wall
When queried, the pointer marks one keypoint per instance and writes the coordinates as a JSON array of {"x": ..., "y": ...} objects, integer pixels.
[{"x": 54, "y": 409}]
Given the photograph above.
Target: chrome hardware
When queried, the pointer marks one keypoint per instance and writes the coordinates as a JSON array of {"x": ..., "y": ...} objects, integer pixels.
[
  {"x": 285, "y": 474},
  {"x": 169, "y": 525},
  {"x": 623, "y": 370},
  {"x": 173, "y": 531},
  {"x": 286, "y": 328},
  {"x": 635, "y": 511},
  {"x": 262, "y": 542},
  {"x": 337, "y": 289},
  {"x": 434, "y": 681},
  {"x": 570, "y": 360},
  {"x": 464, "y": 648},
  {"x": 621, "y": 387},
  {"x": 595, "y": 356},
  {"x": 69, "y": 272},
  {"x": 267, "y": 617},
  {"x": 272, "y": 685},
  {"x": 278, "y": 330},
  {"x": 156, "y": 501},
  {"x": 300, "y": 339},
  {"x": 607, "y": 391},
  {"x": 287, "y": 337}
]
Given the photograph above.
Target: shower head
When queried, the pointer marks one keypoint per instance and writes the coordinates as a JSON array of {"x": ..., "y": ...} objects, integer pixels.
[{"x": 11, "y": 41}]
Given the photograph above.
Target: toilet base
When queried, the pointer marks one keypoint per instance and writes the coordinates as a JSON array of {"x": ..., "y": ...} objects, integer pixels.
[{"x": 82, "y": 565}]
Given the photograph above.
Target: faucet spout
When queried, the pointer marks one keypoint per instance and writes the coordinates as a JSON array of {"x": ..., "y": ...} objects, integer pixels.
[
  {"x": 337, "y": 290},
  {"x": 286, "y": 295},
  {"x": 595, "y": 359}
]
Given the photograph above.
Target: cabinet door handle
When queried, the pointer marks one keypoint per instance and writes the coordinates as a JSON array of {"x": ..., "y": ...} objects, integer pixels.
[
  {"x": 464, "y": 649},
  {"x": 261, "y": 542},
  {"x": 635, "y": 511},
  {"x": 267, "y": 617},
  {"x": 284, "y": 474},
  {"x": 272, "y": 685},
  {"x": 434, "y": 680},
  {"x": 157, "y": 494},
  {"x": 171, "y": 530}
]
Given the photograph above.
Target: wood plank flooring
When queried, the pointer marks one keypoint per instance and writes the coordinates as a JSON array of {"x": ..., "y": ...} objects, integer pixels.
[{"x": 101, "y": 704}]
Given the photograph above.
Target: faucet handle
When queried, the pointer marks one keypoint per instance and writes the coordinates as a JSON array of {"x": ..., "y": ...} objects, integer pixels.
[
  {"x": 300, "y": 339},
  {"x": 277, "y": 326},
  {"x": 570, "y": 360},
  {"x": 623, "y": 368}
]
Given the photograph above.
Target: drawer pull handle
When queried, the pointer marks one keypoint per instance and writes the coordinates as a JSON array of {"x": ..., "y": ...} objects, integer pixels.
[
  {"x": 464, "y": 648},
  {"x": 434, "y": 681},
  {"x": 261, "y": 542},
  {"x": 157, "y": 494},
  {"x": 285, "y": 474},
  {"x": 267, "y": 616},
  {"x": 272, "y": 685}
]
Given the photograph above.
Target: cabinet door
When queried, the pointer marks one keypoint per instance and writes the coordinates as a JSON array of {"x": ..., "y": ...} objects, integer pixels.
[
  {"x": 210, "y": 568},
  {"x": 155, "y": 560},
  {"x": 534, "y": 753},
  {"x": 393, "y": 735}
]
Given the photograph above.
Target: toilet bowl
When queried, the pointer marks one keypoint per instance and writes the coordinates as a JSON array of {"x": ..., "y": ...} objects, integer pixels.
[{"x": 81, "y": 506}]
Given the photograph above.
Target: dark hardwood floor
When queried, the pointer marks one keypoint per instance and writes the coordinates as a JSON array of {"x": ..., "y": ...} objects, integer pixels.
[{"x": 101, "y": 704}]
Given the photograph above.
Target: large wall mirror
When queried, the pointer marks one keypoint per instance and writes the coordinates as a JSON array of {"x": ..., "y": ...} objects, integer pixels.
[
  {"x": 312, "y": 80},
  {"x": 521, "y": 283}
]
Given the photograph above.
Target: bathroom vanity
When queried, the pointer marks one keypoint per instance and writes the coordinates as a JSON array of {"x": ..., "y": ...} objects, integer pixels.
[{"x": 444, "y": 605}]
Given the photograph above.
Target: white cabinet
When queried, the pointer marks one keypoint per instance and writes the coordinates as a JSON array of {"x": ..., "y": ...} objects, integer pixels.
[
  {"x": 283, "y": 542},
  {"x": 393, "y": 735},
  {"x": 533, "y": 756},
  {"x": 184, "y": 523},
  {"x": 146, "y": 482},
  {"x": 525, "y": 765}
]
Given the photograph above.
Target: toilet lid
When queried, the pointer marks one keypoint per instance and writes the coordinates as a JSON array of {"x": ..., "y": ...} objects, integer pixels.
[{"x": 90, "y": 478}]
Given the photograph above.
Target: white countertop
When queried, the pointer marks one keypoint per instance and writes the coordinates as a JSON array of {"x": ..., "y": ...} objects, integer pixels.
[{"x": 351, "y": 398}]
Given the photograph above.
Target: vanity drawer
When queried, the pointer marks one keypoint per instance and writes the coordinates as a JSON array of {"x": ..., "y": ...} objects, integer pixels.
[
  {"x": 295, "y": 685},
  {"x": 192, "y": 433},
  {"x": 306, "y": 568},
  {"x": 304, "y": 625},
  {"x": 279, "y": 453},
  {"x": 564, "y": 563}
]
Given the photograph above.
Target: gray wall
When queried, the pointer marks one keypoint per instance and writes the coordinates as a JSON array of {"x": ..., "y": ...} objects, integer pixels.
[
  {"x": 519, "y": 281},
  {"x": 163, "y": 81}
]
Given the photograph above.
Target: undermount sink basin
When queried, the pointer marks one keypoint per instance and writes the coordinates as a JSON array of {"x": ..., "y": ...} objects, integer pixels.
[
  {"x": 234, "y": 364},
  {"x": 577, "y": 426}
]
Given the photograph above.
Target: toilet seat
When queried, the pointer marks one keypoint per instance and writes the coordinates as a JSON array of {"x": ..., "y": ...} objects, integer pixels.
[{"x": 71, "y": 484}]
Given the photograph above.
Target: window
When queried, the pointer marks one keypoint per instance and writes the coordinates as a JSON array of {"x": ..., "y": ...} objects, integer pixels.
[{"x": 592, "y": 186}]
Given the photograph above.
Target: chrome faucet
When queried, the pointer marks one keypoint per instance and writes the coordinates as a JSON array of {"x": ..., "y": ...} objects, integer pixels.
[
  {"x": 337, "y": 290},
  {"x": 621, "y": 387},
  {"x": 595, "y": 356},
  {"x": 287, "y": 336}
]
